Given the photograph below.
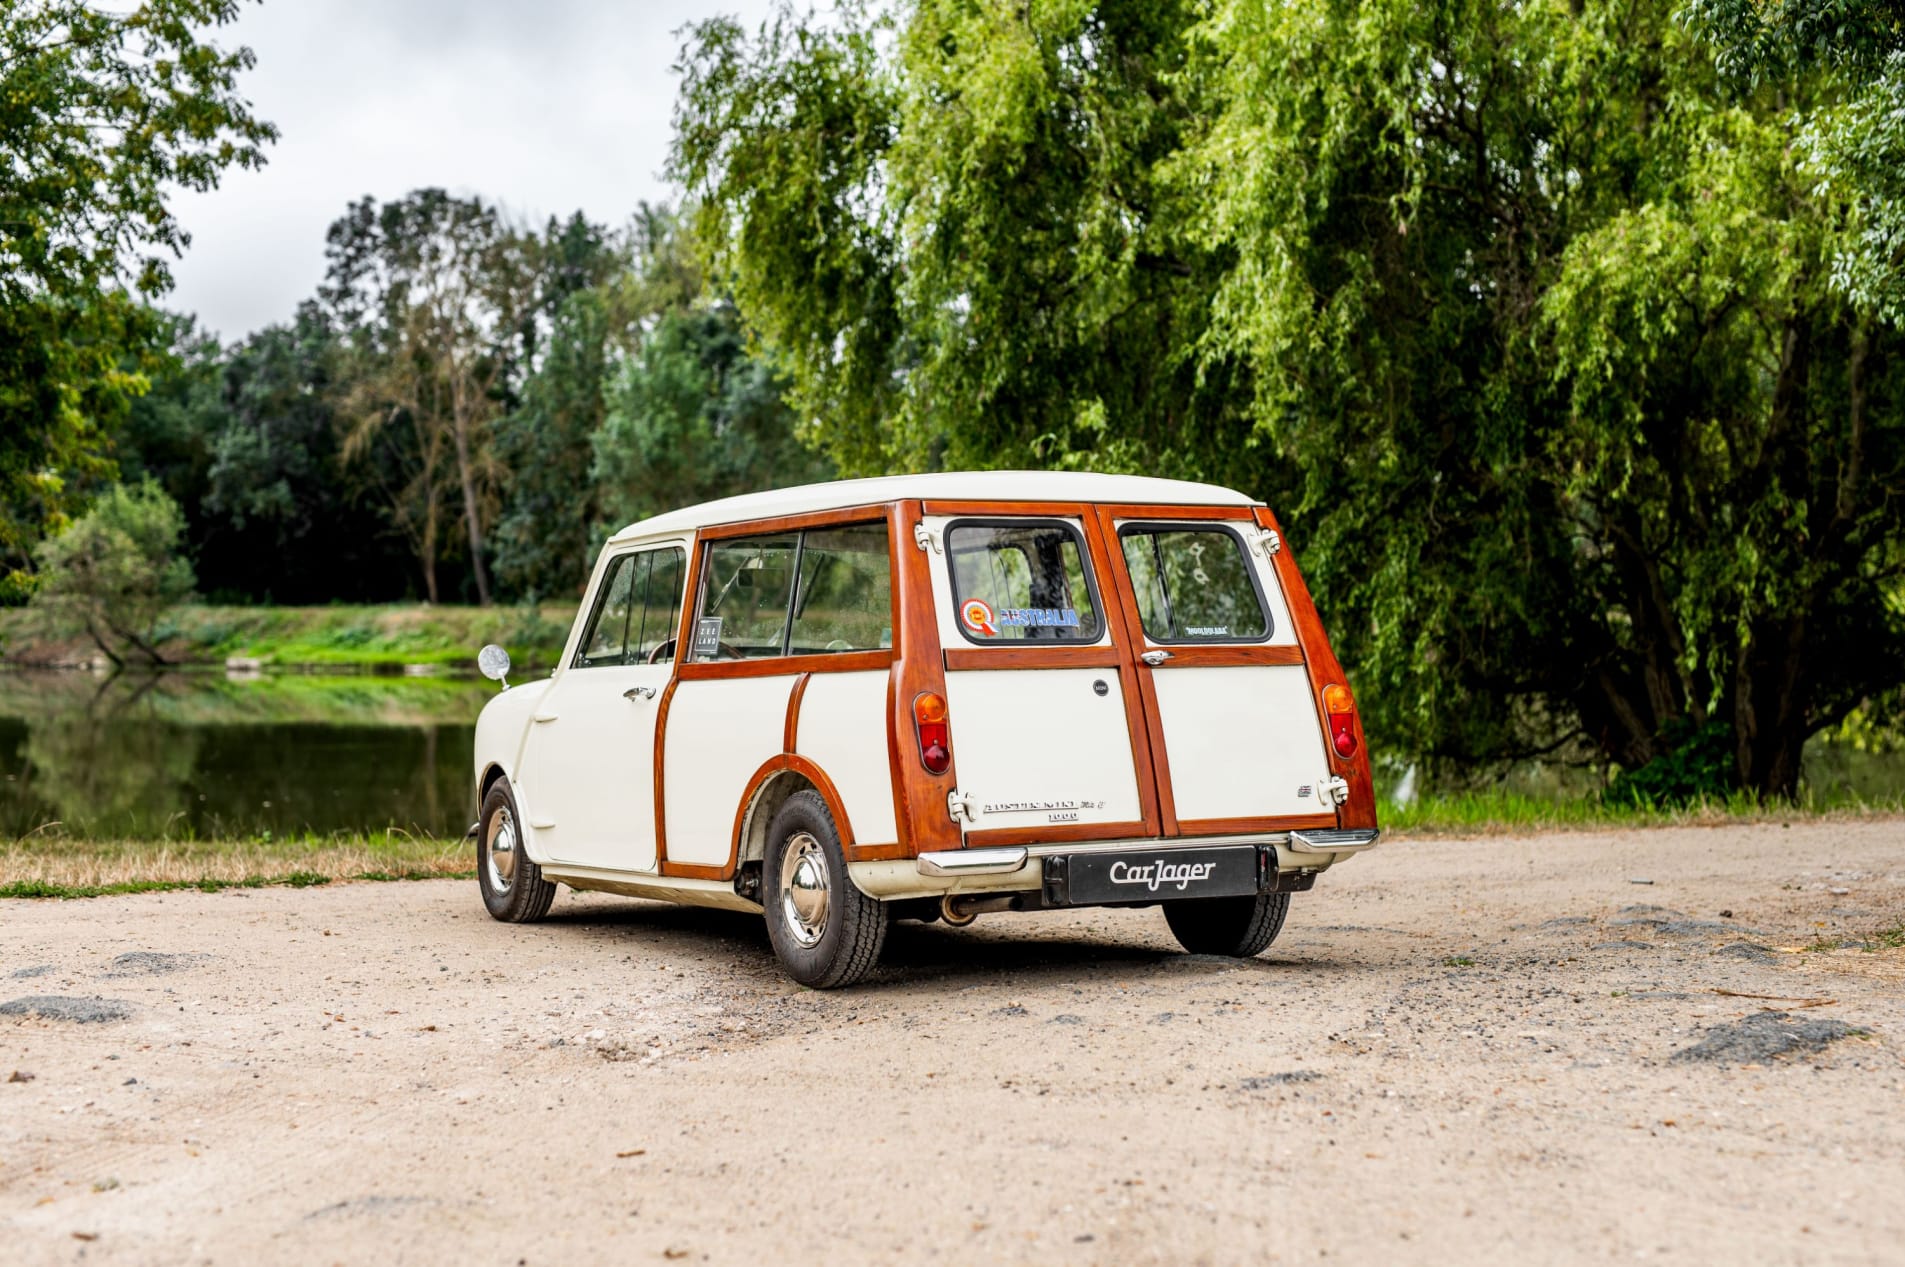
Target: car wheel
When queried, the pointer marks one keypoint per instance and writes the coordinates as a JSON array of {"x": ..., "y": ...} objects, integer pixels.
[
  {"x": 1238, "y": 926},
  {"x": 826, "y": 932},
  {"x": 513, "y": 888}
]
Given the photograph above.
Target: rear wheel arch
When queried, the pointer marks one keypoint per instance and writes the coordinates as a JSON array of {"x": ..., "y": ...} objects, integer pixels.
[{"x": 778, "y": 779}]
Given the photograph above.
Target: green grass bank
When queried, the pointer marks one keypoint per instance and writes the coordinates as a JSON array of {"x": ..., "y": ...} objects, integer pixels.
[
  {"x": 51, "y": 864},
  {"x": 383, "y": 638}
]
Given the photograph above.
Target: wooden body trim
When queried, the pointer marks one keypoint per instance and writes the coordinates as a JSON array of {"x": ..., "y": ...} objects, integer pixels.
[
  {"x": 1360, "y": 809},
  {"x": 784, "y": 665},
  {"x": 917, "y": 662},
  {"x": 919, "y": 796},
  {"x": 960, "y": 659},
  {"x": 1141, "y": 705},
  {"x": 790, "y": 729},
  {"x": 871, "y": 513},
  {"x": 1052, "y": 834}
]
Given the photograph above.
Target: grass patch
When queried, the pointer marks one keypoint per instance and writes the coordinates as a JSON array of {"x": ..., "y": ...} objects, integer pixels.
[
  {"x": 362, "y": 637},
  {"x": 1499, "y": 812},
  {"x": 69, "y": 868}
]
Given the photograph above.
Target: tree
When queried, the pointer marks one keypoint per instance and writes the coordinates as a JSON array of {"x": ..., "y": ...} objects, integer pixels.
[
  {"x": 692, "y": 417},
  {"x": 115, "y": 571},
  {"x": 1855, "y": 143},
  {"x": 545, "y": 537},
  {"x": 1526, "y": 321},
  {"x": 433, "y": 292},
  {"x": 101, "y": 112}
]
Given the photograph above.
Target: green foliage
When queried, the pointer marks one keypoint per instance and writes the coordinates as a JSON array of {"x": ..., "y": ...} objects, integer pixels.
[
  {"x": 691, "y": 418},
  {"x": 113, "y": 572},
  {"x": 546, "y": 539},
  {"x": 102, "y": 111},
  {"x": 1854, "y": 144},
  {"x": 1696, "y": 764},
  {"x": 1526, "y": 320}
]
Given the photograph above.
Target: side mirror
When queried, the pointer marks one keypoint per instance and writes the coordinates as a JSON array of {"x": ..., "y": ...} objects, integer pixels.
[{"x": 493, "y": 662}]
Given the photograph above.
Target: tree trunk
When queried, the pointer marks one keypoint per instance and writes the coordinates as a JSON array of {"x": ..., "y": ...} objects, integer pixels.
[
  {"x": 428, "y": 554},
  {"x": 472, "y": 525},
  {"x": 1770, "y": 707}
]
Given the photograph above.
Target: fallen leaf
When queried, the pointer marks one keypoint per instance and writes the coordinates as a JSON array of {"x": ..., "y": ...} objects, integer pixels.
[
  {"x": 85, "y": 1236},
  {"x": 20, "y": 1076}
]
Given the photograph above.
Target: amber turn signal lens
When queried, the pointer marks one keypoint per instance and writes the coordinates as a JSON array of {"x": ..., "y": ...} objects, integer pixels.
[{"x": 935, "y": 736}]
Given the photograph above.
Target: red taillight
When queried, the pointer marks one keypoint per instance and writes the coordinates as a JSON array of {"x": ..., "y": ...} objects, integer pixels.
[
  {"x": 1341, "y": 710},
  {"x": 935, "y": 742}
]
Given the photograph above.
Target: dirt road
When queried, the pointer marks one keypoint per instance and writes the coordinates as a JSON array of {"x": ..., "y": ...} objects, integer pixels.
[{"x": 1458, "y": 1051}]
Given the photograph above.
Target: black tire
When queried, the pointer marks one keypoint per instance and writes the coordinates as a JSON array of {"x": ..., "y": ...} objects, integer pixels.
[
  {"x": 1236, "y": 926},
  {"x": 825, "y": 931},
  {"x": 513, "y": 888}
]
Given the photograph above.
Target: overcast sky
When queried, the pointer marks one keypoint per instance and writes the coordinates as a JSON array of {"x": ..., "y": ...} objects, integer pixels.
[{"x": 544, "y": 107}]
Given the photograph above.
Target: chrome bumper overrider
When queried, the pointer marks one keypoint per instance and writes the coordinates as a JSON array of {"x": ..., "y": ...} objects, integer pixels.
[
  {"x": 1333, "y": 839},
  {"x": 973, "y": 861}
]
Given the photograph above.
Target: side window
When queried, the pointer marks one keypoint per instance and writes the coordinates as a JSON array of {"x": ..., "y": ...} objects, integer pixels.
[
  {"x": 605, "y": 641},
  {"x": 661, "y": 607},
  {"x": 845, "y": 599},
  {"x": 744, "y": 611},
  {"x": 1021, "y": 581},
  {"x": 796, "y": 593},
  {"x": 1193, "y": 585},
  {"x": 635, "y": 616}
]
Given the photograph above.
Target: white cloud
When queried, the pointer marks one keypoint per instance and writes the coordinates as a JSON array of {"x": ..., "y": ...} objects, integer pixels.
[{"x": 544, "y": 107}]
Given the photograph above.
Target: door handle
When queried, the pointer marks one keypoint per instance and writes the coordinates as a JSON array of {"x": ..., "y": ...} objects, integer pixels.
[
  {"x": 1155, "y": 658},
  {"x": 646, "y": 692}
]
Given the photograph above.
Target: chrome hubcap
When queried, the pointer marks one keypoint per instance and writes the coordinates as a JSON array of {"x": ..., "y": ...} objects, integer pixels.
[
  {"x": 804, "y": 889},
  {"x": 499, "y": 849}
]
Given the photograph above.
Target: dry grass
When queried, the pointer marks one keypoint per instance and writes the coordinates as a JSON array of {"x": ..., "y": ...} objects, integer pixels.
[{"x": 57, "y": 867}]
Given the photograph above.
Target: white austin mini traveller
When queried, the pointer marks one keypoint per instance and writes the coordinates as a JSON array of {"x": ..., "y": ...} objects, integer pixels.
[{"x": 928, "y": 697}]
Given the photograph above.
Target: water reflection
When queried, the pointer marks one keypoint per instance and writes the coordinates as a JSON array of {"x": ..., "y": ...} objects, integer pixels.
[{"x": 191, "y": 754}]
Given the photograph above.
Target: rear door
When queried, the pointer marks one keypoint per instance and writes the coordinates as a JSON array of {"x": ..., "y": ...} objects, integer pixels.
[
  {"x": 1235, "y": 736},
  {"x": 1047, "y": 727}
]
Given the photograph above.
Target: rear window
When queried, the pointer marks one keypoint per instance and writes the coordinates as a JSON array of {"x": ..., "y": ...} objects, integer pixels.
[
  {"x": 1194, "y": 584},
  {"x": 1021, "y": 581}
]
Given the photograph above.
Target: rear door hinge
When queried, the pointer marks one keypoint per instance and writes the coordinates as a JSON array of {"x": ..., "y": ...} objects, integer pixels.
[
  {"x": 962, "y": 807},
  {"x": 1270, "y": 542},
  {"x": 1335, "y": 790},
  {"x": 923, "y": 538}
]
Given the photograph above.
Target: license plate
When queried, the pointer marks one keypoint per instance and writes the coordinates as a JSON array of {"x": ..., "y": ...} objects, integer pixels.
[{"x": 1159, "y": 875}]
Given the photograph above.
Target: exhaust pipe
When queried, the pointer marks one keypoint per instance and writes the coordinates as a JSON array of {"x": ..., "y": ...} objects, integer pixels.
[{"x": 960, "y": 909}]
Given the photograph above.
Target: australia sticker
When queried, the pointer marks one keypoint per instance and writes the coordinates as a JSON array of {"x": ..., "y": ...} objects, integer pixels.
[{"x": 1039, "y": 617}]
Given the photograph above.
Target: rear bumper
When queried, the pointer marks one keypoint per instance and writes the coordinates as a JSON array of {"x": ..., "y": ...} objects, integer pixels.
[{"x": 1292, "y": 859}]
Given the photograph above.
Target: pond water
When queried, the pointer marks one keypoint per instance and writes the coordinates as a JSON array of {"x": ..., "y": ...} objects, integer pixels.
[{"x": 200, "y": 754}]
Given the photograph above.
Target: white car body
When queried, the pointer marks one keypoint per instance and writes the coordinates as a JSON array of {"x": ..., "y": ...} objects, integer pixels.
[{"x": 659, "y": 779}]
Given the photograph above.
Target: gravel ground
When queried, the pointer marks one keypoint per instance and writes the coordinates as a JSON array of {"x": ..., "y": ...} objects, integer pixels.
[{"x": 1493, "y": 1051}]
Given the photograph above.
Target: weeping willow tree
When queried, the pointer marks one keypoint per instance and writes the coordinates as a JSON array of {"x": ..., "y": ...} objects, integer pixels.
[{"x": 1530, "y": 319}]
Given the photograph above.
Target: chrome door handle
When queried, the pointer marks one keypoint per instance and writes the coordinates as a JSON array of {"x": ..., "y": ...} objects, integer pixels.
[
  {"x": 1155, "y": 658},
  {"x": 646, "y": 692}
]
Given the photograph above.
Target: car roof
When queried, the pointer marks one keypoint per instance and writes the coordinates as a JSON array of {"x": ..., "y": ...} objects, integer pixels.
[{"x": 1015, "y": 486}]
